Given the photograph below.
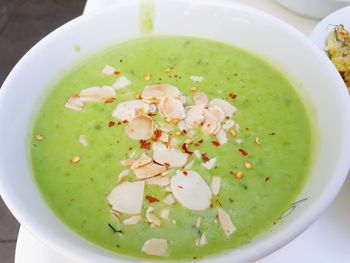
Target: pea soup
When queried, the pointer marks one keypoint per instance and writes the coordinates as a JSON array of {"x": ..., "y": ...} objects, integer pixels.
[{"x": 171, "y": 147}]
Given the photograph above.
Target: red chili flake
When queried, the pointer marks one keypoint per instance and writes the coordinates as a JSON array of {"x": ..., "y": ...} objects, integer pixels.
[
  {"x": 158, "y": 133},
  {"x": 232, "y": 95},
  {"x": 111, "y": 124},
  {"x": 167, "y": 165},
  {"x": 110, "y": 100},
  {"x": 184, "y": 148},
  {"x": 196, "y": 144},
  {"x": 183, "y": 132},
  {"x": 152, "y": 114},
  {"x": 145, "y": 144},
  {"x": 117, "y": 72},
  {"x": 205, "y": 158},
  {"x": 151, "y": 199},
  {"x": 267, "y": 178},
  {"x": 185, "y": 173},
  {"x": 216, "y": 143},
  {"x": 245, "y": 153}
]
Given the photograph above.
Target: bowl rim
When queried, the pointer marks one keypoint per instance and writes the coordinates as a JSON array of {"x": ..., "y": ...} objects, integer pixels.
[{"x": 325, "y": 199}]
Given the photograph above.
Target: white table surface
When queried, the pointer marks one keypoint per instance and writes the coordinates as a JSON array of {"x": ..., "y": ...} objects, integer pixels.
[{"x": 326, "y": 241}]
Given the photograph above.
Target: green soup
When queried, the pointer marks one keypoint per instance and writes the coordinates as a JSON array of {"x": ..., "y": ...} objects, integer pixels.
[{"x": 263, "y": 165}]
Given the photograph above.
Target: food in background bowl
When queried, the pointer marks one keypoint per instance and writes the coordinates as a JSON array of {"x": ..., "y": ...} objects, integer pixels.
[{"x": 176, "y": 147}]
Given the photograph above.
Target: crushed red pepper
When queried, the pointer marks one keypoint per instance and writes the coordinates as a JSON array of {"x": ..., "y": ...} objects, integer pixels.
[
  {"x": 145, "y": 144},
  {"x": 151, "y": 199},
  {"x": 232, "y": 95},
  {"x": 205, "y": 158},
  {"x": 117, "y": 72},
  {"x": 110, "y": 100},
  {"x": 216, "y": 143},
  {"x": 185, "y": 173},
  {"x": 243, "y": 152},
  {"x": 152, "y": 114},
  {"x": 111, "y": 124},
  {"x": 185, "y": 149}
]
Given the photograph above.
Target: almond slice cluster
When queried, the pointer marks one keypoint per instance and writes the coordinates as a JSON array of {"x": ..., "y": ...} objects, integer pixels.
[{"x": 164, "y": 124}]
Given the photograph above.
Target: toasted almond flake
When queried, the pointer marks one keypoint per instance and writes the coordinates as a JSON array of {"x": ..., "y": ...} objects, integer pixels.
[
  {"x": 158, "y": 145},
  {"x": 39, "y": 137},
  {"x": 183, "y": 99},
  {"x": 75, "y": 103},
  {"x": 189, "y": 165},
  {"x": 200, "y": 99},
  {"x": 147, "y": 76},
  {"x": 164, "y": 137},
  {"x": 209, "y": 164},
  {"x": 173, "y": 143},
  {"x": 83, "y": 140},
  {"x": 198, "y": 222},
  {"x": 140, "y": 128},
  {"x": 247, "y": 164},
  {"x": 108, "y": 70},
  {"x": 143, "y": 160},
  {"x": 127, "y": 110},
  {"x": 215, "y": 185},
  {"x": 257, "y": 141},
  {"x": 75, "y": 159},
  {"x": 169, "y": 199},
  {"x": 158, "y": 180},
  {"x": 127, "y": 162},
  {"x": 217, "y": 112},
  {"x": 133, "y": 220},
  {"x": 159, "y": 91},
  {"x": 173, "y": 157},
  {"x": 233, "y": 132},
  {"x": 151, "y": 218},
  {"x": 191, "y": 133},
  {"x": 227, "y": 107},
  {"x": 97, "y": 94},
  {"x": 201, "y": 241},
  {"x": 191, "y": 190},
  {"x": 196, "y": 78},
  {"x": 166, "y": 127},
  {"x": 239, "y": 141},
  {"x": 239, "y": 175},
  {"x": 165, "y": 213},
  {"x": 197, "y": 154},
  {"x": 211, "y": 125},
  {"x": 178, "y": 133},
  {"x": 156, "y": 247},
  {"x": 149, "y": 170},
  {"x": 168, "y": 120},
  {"x": 226, "y": 222},
  {"x": 237, "y": 127},
  {"x": 121, "y": 83},
  {"x": 194, "y": 115},
  {"x": 221, "y": 137},
  {"x": 123, "y": 174},
  {"x": 172, "y": 108},
  {"x": 132, "y": 155},
  {"x": 228, "y": 124},
  {"x": 167, "y": 189},
  {"x": 127, "y": 197}
]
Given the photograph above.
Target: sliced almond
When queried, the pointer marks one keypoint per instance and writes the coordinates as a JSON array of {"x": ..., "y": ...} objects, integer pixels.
[
  {"x": 217, "y": 112},
  {"x": 168, "y": 189},
  {"x": 201, "y": 241},
  {"x": 211, "y": 124},
  {"x": 196, "y": 78},
  {"x": 165, "y": 214},
  {"x": 133, "y": 220},
  {"x": 226, "y": 222},
  {"x": 127, "y": 110},
  {"x": 149, "y": 170},
  {"x": 127, "y": 162},
  {"x": 140, "y": 128},
  {"x": 227, "y": 107},
  {"x": 173, "y": 143},
  {"x": 121, "y": 83},
  {"x": 158, "y": 180},
  {"x": 159, "y": 91},
  {"x": 194, "y": 115},
  {"x": 75, "y": 103},
  {"x": 108, "y": 70},
  {"x": 158, "y": 145},
  {"x": 228, "y": 124},
  {"x": 97, "y": 94},
  {"x": 200, "y": 99},
  {"x": 166, "y": 127},
  {"x": 83, "y": 140},
  {"x": 197, "y": 154},
  {"x": 215, "y": 185},
  {"x": 169, "y": 199},
  {"x": 127, "y": 197},
  {"x": 156, "y": 247},
  {"x": 189, "y": 165},
  {"x": 221, "y": 137},
  {"x": 172, "y": 108},
  {"x": 143, "y": 160},
  {"x": 172, "y": 157},
  {"x": 239, "y": 141},
  {"x": 123, "y": 174},
  {"x": 164, "y": 137},
  {"x": 191, "y": 190},
  {"x": 209, "y": 164},
  {"x": 151, "y": 218}
]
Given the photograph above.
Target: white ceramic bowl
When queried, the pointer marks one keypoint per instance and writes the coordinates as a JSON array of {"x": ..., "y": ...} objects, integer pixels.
[{"x": 314, "y": 77}]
